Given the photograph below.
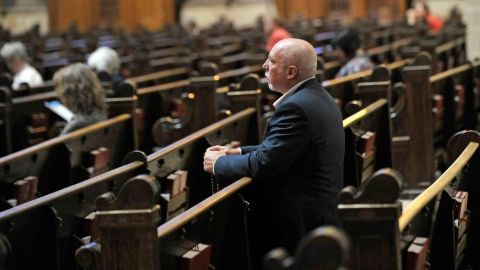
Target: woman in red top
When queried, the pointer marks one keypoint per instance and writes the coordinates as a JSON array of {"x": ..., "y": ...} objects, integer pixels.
[
  {"x": 422, "y": 12},
  {"x": 274, "y": 32}
]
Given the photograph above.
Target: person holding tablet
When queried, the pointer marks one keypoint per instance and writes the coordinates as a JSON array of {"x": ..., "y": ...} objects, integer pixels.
[{"x": 79, "y": 89}]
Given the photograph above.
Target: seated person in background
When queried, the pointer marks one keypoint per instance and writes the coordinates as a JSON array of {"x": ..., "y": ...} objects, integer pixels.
[
  {"x": 107, "y": 60},
  {"x": 349, "y": 50},
  {"x": 454, "y": 17},
  {"x": 420, "y": 13},
  {"x": 15, "y": 55},
  {"x": 191, "y": 28},
  {"x": 274, "y": 31},
  {"x": 80, "y": 91}
]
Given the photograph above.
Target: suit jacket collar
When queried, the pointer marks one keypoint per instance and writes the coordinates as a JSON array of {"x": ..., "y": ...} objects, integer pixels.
[
  {"x": 307, "y": 83},
  {"x": 292, "y": 90}
]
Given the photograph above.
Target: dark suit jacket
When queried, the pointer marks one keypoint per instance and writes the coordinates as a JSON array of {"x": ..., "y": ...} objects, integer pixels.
[{"x": 297, "y": 170}]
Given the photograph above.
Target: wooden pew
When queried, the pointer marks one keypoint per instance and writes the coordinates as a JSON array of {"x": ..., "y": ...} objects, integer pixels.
[
  {"x": 367, "y": 142},
  {"x": 189, "y": 97},
  {"x": 445, "y": 104},
  {"x": 226, "y": 57},
  {"x": 323, "y": 248},
  {"x": 114, "y": 236},
  {"x": 411, "y": 119},
  {"x": 160, "y": 165},
  {"x": 26, "y": 120},
  {"x": 89, "y": 255},
  {"x": 373, "y": 216},
  {"x": 380, "y": 52},
  {"x": 346, "y": 88},
  {"x": 460, "y": 98},
  {"x": 72, "y": 204},
  {"x": 410, "y": 115},
  {"x": 59, "y": 220},
  {"x": 380, "y": 55},
  {"x": 445, "y": 55},
  {"x": 159, "y": 77},
  {"x": 368, "y": 129},
  {"x": 148, "y": 101},
  {"x": 67, "y": 159}
]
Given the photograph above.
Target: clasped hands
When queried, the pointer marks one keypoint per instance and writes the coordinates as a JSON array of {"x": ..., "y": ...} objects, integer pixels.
[{"x": 214, "y": 152}]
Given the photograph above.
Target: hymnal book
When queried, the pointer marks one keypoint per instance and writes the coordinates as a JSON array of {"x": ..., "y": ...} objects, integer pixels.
[
  {"x": 416, "y": 255},
  {"x": 59, "y": 109},
  {"x": 461, "y": 200},
  {"x": 97, "y": 160},
  {"x": 172, "y": 184},
  {"x": 101, "y": 160},
  {"x": 22, "y": 191},
  {"x": 32, "y": 186},
  {"x": 175, "y": 183},
  {"x": 26, "y": 189},
  {"x": 197, "y": 258},
  {"x": 366, "y": 143},
  {"x": 183, "y": 179}
]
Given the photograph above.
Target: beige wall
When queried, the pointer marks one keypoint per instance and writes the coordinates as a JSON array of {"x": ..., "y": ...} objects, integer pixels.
[
  {"x": 24, "y": 15},
  {"x": 241, "y": 12},
  {"x": 441, "y": 8},
  {"x": 471, "y": 16}
]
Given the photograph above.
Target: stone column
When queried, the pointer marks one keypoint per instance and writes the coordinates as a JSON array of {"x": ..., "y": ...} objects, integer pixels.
[{"x": 471, "y": 14}]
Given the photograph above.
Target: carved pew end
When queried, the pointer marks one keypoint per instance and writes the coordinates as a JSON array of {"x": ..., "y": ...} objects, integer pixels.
[{"x": 323, "y": 248}]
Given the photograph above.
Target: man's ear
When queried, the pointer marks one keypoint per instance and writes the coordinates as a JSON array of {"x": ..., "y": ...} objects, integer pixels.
[{"x": 292, "y": 72}]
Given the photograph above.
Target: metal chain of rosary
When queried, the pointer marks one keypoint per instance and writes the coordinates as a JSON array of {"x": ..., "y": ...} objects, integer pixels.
[
  {"x": 214, "y": 184},
  {"x": 214, "y": 188}
]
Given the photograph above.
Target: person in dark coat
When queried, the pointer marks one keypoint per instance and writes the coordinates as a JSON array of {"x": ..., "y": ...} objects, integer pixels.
[{"x": 297, "y": 170}]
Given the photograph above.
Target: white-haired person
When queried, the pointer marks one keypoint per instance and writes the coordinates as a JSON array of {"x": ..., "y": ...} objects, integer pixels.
[
  {"x": 106, "y": 59},
  {"x": 16, "y": 58}
]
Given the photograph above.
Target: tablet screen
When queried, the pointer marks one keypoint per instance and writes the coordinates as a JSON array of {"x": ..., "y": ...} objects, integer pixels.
[{"x": 59, "y": 109}]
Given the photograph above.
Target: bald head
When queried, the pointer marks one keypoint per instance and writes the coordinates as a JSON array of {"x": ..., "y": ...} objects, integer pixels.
[
  {"x": 290, "y": 61},
  {"x": 299, "y": 53}
]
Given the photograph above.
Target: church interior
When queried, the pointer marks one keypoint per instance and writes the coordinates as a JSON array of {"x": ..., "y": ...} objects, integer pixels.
[{"x": 109, "y": 110}]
